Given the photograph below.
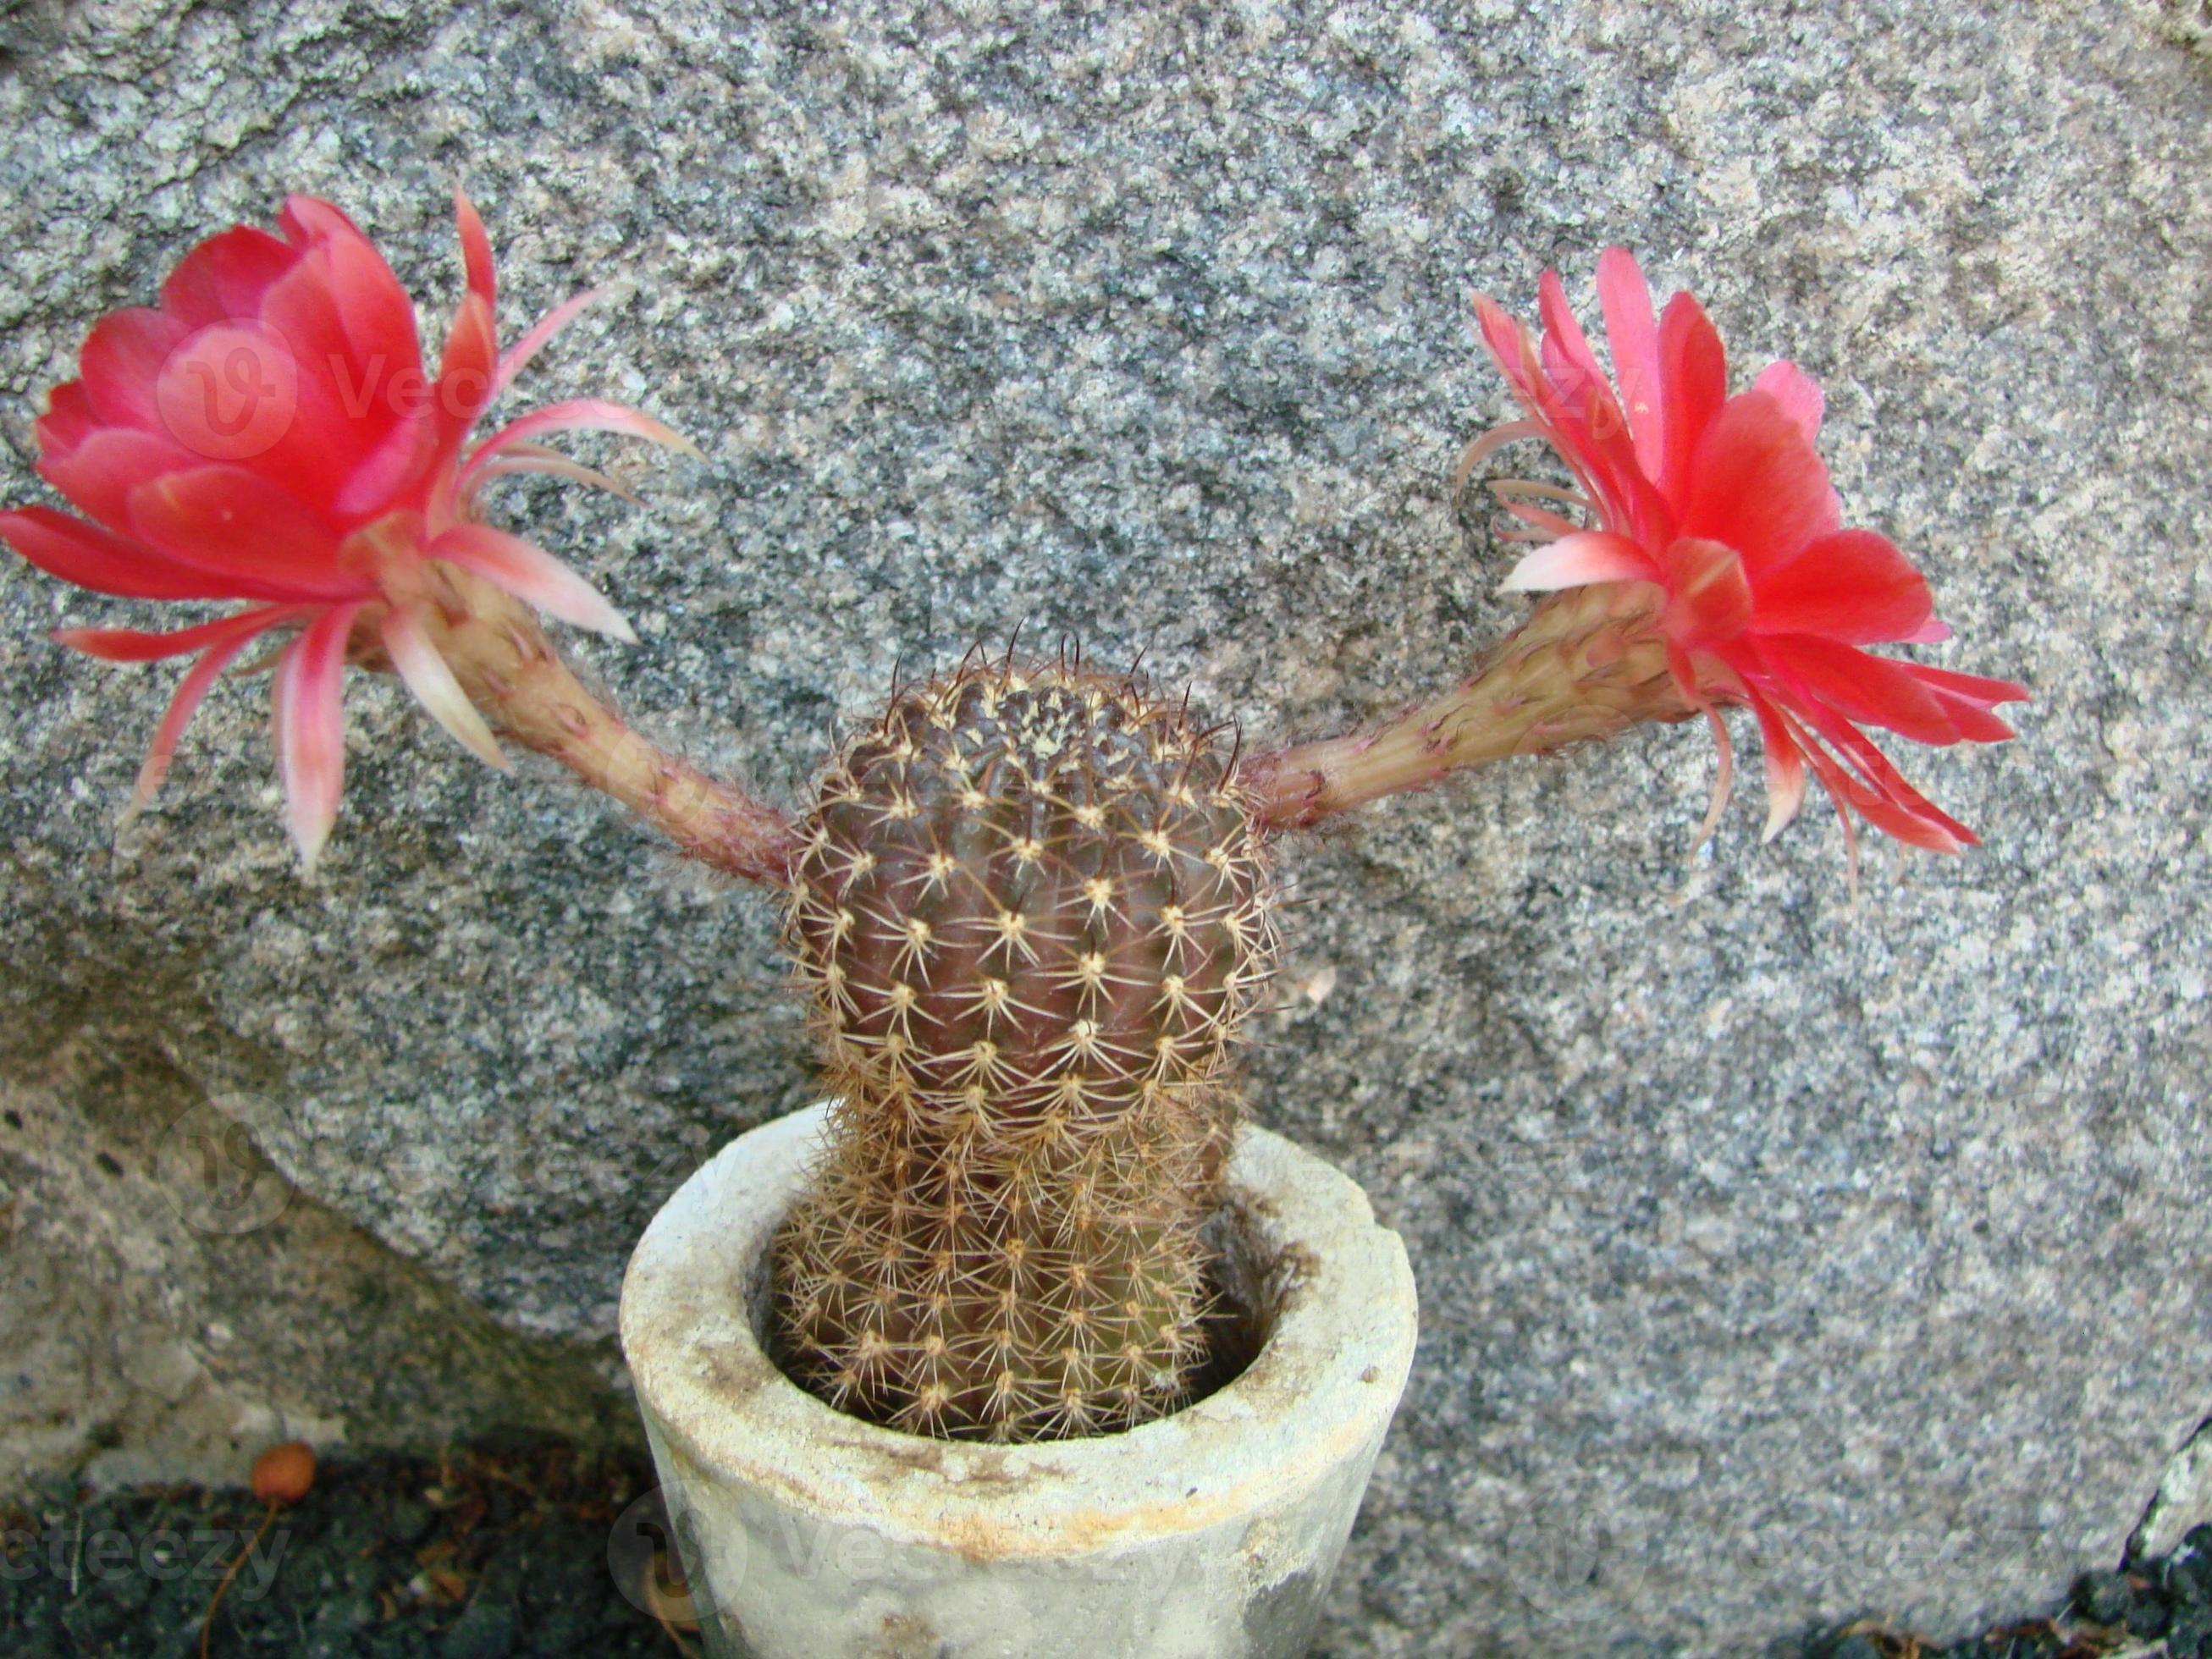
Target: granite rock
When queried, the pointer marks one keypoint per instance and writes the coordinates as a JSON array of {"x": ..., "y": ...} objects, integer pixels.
[
  {"x": 172, "y": 1305},
  {"x": 2183, "y": 1501},
  {"x": 1783, "y": 1255}
]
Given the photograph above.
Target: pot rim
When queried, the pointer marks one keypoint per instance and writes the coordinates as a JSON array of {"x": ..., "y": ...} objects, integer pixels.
[{"x": 1322, "y": 1385}]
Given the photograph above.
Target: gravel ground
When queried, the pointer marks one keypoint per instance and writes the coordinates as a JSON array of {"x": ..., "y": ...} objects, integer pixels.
[
  {"x": 484, "y": 1552},
  {"x": 535, "y": 1549},
  {"x": 2159, "y": 1608}
]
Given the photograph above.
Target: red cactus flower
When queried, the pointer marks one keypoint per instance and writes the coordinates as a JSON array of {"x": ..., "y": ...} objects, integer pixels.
[
  {"x": 1725, "y": 504},
  {"x": 268, "y": 434}
]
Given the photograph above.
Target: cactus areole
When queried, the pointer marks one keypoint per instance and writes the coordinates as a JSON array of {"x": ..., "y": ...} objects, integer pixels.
[{"x": 1031, "y": 912}]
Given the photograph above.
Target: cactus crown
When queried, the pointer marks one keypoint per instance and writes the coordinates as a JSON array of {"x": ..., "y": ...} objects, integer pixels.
[{"x": 1032, "y": 915}]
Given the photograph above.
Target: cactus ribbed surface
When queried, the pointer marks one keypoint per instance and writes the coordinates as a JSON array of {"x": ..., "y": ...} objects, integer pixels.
[{"x": 1032, "y": 914}]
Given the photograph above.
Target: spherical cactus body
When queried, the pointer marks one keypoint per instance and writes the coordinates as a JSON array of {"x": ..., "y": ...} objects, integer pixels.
[{"x": 1032, "y": 916}]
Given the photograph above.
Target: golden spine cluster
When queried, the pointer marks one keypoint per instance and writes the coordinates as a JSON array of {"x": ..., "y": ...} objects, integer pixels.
[{"x": 1031, "y": 912}]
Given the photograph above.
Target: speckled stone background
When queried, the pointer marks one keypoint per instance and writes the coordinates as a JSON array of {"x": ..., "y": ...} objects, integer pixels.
[{"x": 1783, "y": 1257}]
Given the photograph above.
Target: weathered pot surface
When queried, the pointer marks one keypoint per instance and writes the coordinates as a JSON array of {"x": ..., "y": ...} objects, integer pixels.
[{"x": 810, "y": 1535}]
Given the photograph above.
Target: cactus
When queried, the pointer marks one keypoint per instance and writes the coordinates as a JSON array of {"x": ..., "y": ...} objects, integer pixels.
[
  {"x": 1031, "y": 906},
  {"x": 1032, "y": 915}
]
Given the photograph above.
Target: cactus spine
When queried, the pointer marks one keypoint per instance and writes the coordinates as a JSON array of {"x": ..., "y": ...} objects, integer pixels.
[{"x": 1031, "y": 912}]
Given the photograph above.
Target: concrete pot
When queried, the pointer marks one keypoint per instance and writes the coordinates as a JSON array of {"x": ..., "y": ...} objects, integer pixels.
[{"x": 808, "y": 1535}]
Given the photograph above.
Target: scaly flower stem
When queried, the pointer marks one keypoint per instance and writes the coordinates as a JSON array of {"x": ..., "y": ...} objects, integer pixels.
[
  {"x": 1588, "y": 663},
  {"x": 511, "y": 671}
]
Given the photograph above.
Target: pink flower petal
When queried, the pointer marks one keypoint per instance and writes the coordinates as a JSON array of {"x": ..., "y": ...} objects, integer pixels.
[
  {"x": 1974, "y": 721},
  {"x": 300, "y": 311},
  {"x": 1928, "y": 828},
  {"x": 257, "y": 538},
  {"x": 1798, "y": 393},
  {"x": 1883, "y": 798},
  {"x": 99, "y": 474},
  {"x": 1709, "y": 595},
  {"x": 346, "y": 402},
  {"x": 90, "y": 557},
  {"x": 122, "y": 359},
  {"x": 310, "y": 720},
  {"x": 1913, "y": 828},
  {"x": 183, "y": 705},
  {"x": 222, "y": 640},
  {"x": 1543, "y": 523},
  {"x": 531, "y": 574},
  {"x": 579, "y": 414},
  {"x": 1785, "y": 769},
  {"x": 1509, "y": 346},
  {"x": 1968, "y": 698},
  {"x": 1586, "y": 556},
  {"x": 1693, "y": 375},
  {"x": 1688, "y": 680},
  {"x": 69, "y": 420},
  {"x": 465, "y": 377},
  {"x": 517, "y": 356},
  {"x": 1567, "y": 357},
  {"x": 1852, "y": 585},
  {"x": 476, "y": 250},
  {"x": 1723, "y": 778},
  {"x": 136, "y": 645},
  {"x": 1581, "y": 407},
  {"x": 530, "y": 457},
  {"x": 383, "y": 474},
  {"x": 1472, "y": 457},
  {"x": 1582, "y": 424},
  {"x": 1868, "y": 690},
  {"x": 378, "y": 317},
  {"x": 1972, "y": 688},
  {"x": 1757, "y": 486},
  {"x": 432, "y": 682},
  {"x": 305, "y": 219},
  {"x": 225, "y": 276},
  {"x": 1861, "y": 754},
  {"x": 1632, "y": 331}
]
